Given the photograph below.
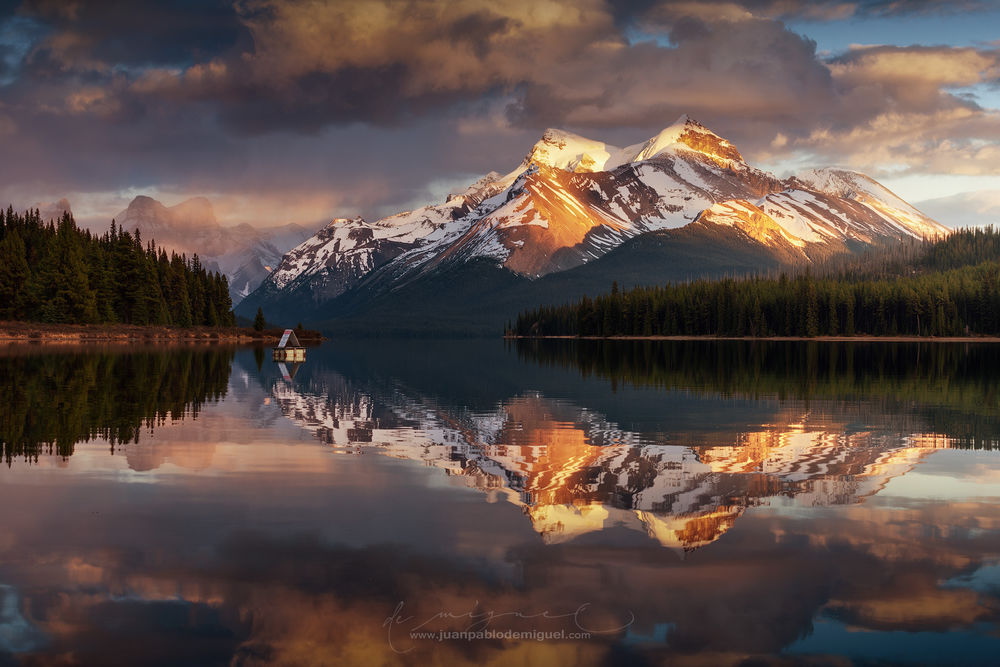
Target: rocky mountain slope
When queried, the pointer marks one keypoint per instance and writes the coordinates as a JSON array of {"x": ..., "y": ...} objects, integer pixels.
[{"x": 573, "y": 201}]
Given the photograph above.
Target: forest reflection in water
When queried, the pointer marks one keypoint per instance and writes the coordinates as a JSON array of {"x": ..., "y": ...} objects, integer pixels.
[
  {"x": 702, "y": 504},
  {"x": 58, "y": 397},
  {"x": 952, "y": 385}
]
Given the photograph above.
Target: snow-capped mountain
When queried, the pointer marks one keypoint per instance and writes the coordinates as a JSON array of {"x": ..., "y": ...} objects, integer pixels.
[
  {"x": 572, "y": 200},
  {"x": 245, "y": 254},
  {"x": 346, "y": 250}
]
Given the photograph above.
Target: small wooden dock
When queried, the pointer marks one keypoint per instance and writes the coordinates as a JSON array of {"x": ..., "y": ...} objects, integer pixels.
[{"x": 289, "y": 348}]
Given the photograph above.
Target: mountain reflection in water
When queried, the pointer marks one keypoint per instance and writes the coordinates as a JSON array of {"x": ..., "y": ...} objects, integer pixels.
[
  {"x": 813, "y": 500},
  {"x": 573, "y": 472}
]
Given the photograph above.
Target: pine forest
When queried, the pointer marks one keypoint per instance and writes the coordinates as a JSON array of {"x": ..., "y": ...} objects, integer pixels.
[
  {"x": 949, "y": 287},
  {"x": 56, "y": 272}
]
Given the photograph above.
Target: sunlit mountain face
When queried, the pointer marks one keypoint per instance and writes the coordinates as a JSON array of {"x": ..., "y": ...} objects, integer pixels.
[
  {"x": 576, "y": 204},
  {"x": 701, "y": 502}
]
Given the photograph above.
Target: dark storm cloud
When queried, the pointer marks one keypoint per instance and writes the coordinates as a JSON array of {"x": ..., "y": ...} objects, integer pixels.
[
  {"x": 317, "y": 99},
  {"x": 7, "y": 54},
  {"x": 270, "y": 65},
  {"x": 214, "y": 94},
  {"x": 626, "y": 12},
  {"x": 136, "y": 32},
  {"x": 714, "y": 67},
  {"x": 571, "y": 65}
]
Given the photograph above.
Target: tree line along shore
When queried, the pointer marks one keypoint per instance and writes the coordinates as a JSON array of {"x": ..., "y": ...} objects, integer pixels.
[
  {"x": 943, "y": 288},
  {"x": 60, "y": 283}
]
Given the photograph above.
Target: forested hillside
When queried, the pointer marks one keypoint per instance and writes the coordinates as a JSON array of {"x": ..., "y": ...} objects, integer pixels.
[
  {"x": 55, "y": 272},
  {"x": 949, "y": 287}
]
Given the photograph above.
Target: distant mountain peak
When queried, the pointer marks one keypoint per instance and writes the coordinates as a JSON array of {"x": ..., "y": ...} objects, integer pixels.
[
  {"x": 150, "y": 216},
  {"x": 142, "y": 205},
  {"x": 53, "y": 210},
  {"x": 244, "y": 253},
  {"x": 477, "y": 187}
]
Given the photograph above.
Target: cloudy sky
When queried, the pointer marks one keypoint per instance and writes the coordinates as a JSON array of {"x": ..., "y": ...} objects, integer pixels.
[{"x": 302, "y": 110}]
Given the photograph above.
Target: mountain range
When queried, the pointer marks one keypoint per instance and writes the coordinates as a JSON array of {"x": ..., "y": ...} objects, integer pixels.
[
  {"x": 575, "y": 215},
  {"x": 245, "y": 254}
]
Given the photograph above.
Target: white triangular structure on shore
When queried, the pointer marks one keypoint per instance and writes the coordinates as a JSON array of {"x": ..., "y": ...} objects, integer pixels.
[{"x": 289, "y": 348}]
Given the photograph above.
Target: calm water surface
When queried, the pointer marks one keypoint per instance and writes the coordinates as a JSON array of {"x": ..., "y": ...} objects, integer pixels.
[{"x": 558, "y": 503}]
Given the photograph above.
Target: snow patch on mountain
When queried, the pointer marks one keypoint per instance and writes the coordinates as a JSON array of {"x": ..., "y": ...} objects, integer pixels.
[
  {"x": 752, "y": 220},
  {"x": 796, "y": 211},
  {"x": 664, "y": 140},
  {"x": 858, "y": 187},
  {"x": 688, "y": 135},
  {"x": 564, "y": 150}
]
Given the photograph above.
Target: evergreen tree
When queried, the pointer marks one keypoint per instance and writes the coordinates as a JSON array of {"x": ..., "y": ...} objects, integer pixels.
[
  {"x": 14, "y": 276},
  {"x": 61, "y": 286},
  {"x": 258, "y": 321}
]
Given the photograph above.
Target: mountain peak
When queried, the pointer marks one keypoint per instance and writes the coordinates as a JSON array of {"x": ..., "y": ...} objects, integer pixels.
[
  {"x": 482, "y": 187},
  {"x": 340, "y": 222},
  {"x": 688, "y": 133},
  {"x": 565, "y": 150},
  {"x": 53, "y": 210},
  {"x": 854, "y": 185},
  {"x": 143, "y": 201},
  {"x": 155, "y": 220},
  {"x": 542, "y": 218}
]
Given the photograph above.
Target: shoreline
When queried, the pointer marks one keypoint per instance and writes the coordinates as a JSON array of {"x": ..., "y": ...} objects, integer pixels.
[
  {"x": 822, "y": 339},
  {"x": 42, "y": 333}
]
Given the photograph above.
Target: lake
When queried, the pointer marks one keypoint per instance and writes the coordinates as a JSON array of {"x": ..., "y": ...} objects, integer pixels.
[{"x": 492, "y": 502}]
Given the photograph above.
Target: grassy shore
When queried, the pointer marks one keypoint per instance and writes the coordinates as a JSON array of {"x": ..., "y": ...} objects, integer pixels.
[{"x": 79, "y": 333}]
